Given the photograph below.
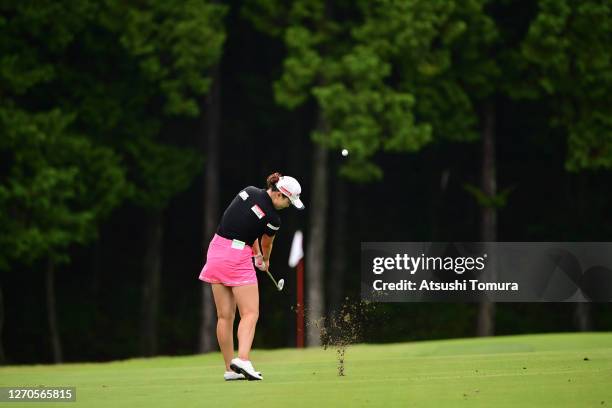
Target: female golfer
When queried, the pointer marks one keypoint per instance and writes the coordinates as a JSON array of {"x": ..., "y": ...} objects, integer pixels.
[{"x": 250, "y": 220}]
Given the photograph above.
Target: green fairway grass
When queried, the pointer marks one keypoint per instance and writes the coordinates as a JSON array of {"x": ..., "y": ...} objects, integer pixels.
[{"x": 552, "y": 370}]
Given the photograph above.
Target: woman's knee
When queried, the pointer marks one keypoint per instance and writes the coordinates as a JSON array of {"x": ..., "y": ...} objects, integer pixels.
[
  {"x": 224, "y": 303},
  {"x": 250, "y": 314},
  {"x": 226, "y": 315}
]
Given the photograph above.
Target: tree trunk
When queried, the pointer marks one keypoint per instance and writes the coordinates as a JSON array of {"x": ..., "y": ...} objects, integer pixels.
[
  {"x": 582, "y": 316},
  {"x": 338, "y": 254},
  {"x": 151, "y": 285},
  {"x": 582, "y": 310},
  {"x": 210, "y": 147},
  {"x": 486, "y": 308},
  {"x": 56, "y": 345},
  {"x": 294, "y": 220},
  {"x": 2, "y": 355},
  {"x": 315, "y": 250},
  {"x": 96, "y": 268},
  {"x": 437, "y": 222}
]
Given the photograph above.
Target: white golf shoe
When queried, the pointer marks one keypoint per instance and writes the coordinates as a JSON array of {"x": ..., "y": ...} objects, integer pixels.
[
  {"x": 232, "y": 376},
  {"x": 245, "y": 368}
]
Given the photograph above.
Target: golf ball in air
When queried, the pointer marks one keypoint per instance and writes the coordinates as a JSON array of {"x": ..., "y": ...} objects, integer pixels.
[{"x": 344, "y": 152}]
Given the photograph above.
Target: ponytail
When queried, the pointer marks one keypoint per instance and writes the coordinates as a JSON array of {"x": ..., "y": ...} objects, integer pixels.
[{"x": 272, "y": 180}]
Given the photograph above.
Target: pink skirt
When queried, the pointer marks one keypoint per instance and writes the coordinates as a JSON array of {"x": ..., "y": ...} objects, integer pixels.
[{"x": 228, "y": 262}]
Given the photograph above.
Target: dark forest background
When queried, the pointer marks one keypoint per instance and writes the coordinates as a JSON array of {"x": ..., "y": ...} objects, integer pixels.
[{"x": 126, "y": 127}]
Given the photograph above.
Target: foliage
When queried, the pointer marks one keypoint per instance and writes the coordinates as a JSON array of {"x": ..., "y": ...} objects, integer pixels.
[
  {"x": 391, "y": 76},
  {"x": 498, "y": 201},
  {"x": 175, "y": 42},
  {"x": 159, "y": 171},
  {"x": 568, "y": 47},
  {"x": 348, "y": 80},
  {"x": 87, "y": 88},
  {"x": 57, "y": 186}
]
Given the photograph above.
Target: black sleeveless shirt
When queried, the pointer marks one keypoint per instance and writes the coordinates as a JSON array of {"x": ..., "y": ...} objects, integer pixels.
[{"x": 250, "y": 215}]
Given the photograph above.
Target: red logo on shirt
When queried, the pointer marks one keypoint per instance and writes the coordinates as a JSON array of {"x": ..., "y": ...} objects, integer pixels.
[{"x": 258, "y": 211}]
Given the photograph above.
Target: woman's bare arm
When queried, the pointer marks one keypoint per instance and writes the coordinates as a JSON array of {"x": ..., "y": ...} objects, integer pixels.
[{"x": 266, "y": 246}]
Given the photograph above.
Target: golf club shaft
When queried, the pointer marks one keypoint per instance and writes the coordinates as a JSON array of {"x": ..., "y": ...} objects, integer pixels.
[
  {"x": 272, "y": 277},
  {"x": 267, "y": 271}
]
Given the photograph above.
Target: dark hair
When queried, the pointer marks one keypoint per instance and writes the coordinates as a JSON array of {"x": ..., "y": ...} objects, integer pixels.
[{"x": 272, "y": 180}]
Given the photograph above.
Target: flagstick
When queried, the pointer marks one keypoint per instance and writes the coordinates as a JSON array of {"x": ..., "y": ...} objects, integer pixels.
[{"x": 300, "y": 305}]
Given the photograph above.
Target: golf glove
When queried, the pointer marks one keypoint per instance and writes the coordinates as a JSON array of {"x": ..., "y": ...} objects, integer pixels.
[{"x": 259, "y": 263}]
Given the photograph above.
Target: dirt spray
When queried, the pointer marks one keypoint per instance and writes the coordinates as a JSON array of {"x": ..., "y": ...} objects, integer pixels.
[{"x": 344, "y": 327}]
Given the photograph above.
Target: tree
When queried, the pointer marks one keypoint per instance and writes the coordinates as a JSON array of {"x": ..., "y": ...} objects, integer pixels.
[
  {"x": 209, "y": 141},
  {"x": 121, "y": 72},
  {"x": 341, "y": 56},
  {"x": 56, "y": 183},
  {"x": 440, "y": 54},
  {"x": 566, "y": 45},
  {"x": 567, "y": 49},
  {"x": 57, "y": 188},
  {"x": 178, "y": 44},
  {"x": 161, "y": 172}
]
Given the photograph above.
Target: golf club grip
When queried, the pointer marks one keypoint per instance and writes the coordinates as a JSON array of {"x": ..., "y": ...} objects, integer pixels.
[
  {"x": 268, "y": 267},
  {"x": 261, "y": 252}
]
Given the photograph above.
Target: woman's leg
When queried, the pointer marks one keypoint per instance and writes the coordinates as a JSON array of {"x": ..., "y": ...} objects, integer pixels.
[
  {"x": 226, "y": 311},
  {"x": 247, "y": 299}
]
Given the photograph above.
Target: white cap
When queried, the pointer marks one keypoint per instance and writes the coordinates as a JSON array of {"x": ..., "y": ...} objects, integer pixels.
[{"x": 291, "y": 189}]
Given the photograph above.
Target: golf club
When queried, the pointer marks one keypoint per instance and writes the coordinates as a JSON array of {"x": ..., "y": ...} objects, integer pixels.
[{"x": 280, "y": 283}]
